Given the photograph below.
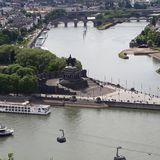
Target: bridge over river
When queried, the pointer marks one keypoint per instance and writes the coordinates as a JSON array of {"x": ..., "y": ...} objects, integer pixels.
[
  {"x": 65, "y": 21},
  {"x": 85, "y": 20}
]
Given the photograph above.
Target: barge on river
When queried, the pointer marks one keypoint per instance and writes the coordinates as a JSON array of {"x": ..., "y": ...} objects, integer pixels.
[{"x": 25, "y": 108}]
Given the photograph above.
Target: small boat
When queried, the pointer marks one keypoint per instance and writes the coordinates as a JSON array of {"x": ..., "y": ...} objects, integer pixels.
[{"x": 4, "y": 131}]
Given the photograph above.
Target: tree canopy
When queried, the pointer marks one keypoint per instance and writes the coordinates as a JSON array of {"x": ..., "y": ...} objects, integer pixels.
[
  {"x": 149, "y": 36},
  {"x": 8, "y": 37},
  {"x": 19, "y": 68}
]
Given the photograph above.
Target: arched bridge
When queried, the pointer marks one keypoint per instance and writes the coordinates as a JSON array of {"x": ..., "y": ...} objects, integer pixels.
[
  {"x": 138, "y": 19},
  {"x": 65, "y": 21}
]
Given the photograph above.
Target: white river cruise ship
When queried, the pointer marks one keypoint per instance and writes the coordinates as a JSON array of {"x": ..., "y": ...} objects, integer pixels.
[{"x": 25, "y": 108}]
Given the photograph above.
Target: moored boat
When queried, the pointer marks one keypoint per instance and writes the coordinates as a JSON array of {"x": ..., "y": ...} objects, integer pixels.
[
  {"x": 25, "y": 108},
  {"x": 40, "y": 40}
]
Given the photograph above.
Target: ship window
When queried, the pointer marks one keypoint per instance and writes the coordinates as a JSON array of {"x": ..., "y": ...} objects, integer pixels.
[
  {"x": 9, "y": 109},
  {"x": 15, "y": 109},
  {"x": 12, "y": 109}
]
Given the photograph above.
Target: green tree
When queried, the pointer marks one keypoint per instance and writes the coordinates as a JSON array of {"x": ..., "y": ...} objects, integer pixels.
[
  {"x": 5, "y": 85},
  {"x": 150, "y": 43},
  {"x": 23, "y": 71},
  {"x": 28, "y": 84},
  {"x": 14, "y": 81},
  {"x": 35, "y": 57},
  {"x": 10, "y": 156},
  {"x": 23, "y": 31},
  {"x": 57, "y": 64},
  {"x": 12, "y": 68},
  {"x": 7, "y": 54}
]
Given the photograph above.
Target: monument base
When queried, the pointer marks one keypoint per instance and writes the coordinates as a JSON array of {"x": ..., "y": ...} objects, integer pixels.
[{"x": 74, "y": 84}]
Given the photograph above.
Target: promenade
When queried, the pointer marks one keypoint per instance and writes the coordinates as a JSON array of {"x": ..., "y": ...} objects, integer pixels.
[
  {"x": 123, "y": 95},
  {"x": 106, "y": 92}
]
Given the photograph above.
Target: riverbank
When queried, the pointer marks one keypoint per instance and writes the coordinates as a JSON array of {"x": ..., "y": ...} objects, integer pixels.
[
  {"x": 140, "y": 51},
  {"x": 34, "y": 38},
  {"x": 107, "y": 25},
  {"x": 99, "y": 95}
]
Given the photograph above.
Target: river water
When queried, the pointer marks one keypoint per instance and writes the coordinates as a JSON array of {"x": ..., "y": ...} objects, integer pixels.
[
  {"x": 98, "y": 52},
  {"x": 92, "y": 134}
]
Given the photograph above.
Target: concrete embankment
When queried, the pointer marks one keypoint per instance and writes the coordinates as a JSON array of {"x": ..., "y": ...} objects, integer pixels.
[
  {"x": 84, "y": 103},
  {"x": 133, "y": 105},
  {"x": 103, "y": 105},
  {"x": 81, "y": 104}
]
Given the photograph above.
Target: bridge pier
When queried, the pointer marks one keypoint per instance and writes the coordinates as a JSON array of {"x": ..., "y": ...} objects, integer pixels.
[
  {"x": 85, "y": 24},
  {"x": 138, "y": 20},
  {"x": 56, "y": 25},
  {"x": 75, "y": 24},
  {"x": 66, "y": 24},
  {"x": 94, "y": 24}
]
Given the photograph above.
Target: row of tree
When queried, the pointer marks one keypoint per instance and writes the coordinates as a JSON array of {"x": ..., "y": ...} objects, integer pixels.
[{"x": 37, "y": 59}]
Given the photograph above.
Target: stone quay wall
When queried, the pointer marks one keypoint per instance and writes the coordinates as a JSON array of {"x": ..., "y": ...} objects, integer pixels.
[{"x": 132, "y": 105}]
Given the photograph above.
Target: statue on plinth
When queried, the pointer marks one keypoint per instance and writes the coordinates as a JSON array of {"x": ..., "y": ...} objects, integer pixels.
[
  {"x": 73, "y": 77},
  {"x": 71, "y": 61}
]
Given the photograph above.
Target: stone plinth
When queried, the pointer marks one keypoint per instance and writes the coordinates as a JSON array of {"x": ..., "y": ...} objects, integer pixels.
[{"x": 72, "y": 78}]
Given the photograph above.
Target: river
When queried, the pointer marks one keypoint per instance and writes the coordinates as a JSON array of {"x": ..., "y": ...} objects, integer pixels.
[
  {"x": 98, "y": 52},
  {"x": 92, "y": 134}
]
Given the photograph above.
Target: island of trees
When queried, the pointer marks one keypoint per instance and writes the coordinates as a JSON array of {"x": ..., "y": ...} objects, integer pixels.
[
  {"x": 150, "y": 36},
  {"x": 105, "y": 20}
]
